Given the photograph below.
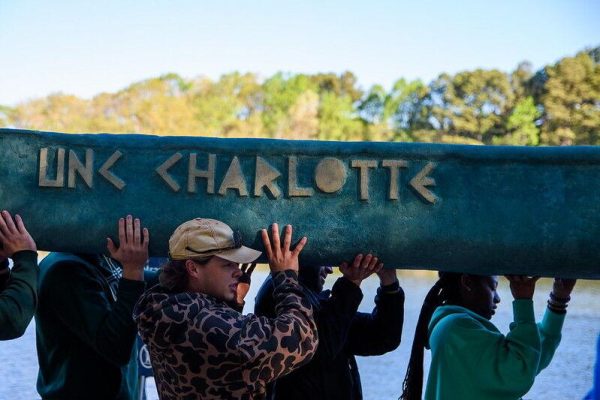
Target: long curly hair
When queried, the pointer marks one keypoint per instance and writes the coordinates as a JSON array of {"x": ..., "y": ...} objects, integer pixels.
[{"x": 174, "y": 276}]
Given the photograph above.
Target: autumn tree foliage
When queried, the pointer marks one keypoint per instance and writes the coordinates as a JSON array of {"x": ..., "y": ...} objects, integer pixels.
[{"x": 556, "y": 105}]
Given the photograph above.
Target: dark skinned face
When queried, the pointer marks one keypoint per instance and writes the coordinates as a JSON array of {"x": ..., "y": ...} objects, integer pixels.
[{"x": 480, "y": 295}]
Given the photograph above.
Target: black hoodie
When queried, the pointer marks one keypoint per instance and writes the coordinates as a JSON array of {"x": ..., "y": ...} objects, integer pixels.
[{"x": 343, "y": 333}]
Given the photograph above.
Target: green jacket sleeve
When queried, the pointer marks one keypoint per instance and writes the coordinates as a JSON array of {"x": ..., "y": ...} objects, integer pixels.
[
  {"x": 81, "y": 303},
  {"x": 499, "y": 364},
  {"x": 550, "y": 333},
  {"x": 18, "y": 299}
]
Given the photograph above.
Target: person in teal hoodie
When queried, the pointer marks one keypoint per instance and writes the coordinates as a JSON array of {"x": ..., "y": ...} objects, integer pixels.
[
  {"x": 18, "y": 287},
  {"x": 470, "y": 357}
]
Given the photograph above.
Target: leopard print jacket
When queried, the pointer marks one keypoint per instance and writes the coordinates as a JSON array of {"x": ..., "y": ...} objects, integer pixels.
[{"x": 201, "y": 348}]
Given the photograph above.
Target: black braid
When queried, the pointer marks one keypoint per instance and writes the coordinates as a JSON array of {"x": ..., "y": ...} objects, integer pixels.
[{"x": 445, "y": 290}]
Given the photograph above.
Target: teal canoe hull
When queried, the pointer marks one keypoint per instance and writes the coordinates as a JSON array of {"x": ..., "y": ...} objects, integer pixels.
[{"x": 476, "y": 209}]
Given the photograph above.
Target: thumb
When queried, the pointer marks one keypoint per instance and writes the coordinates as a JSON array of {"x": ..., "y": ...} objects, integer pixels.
[{"x": 112, "y": 249}]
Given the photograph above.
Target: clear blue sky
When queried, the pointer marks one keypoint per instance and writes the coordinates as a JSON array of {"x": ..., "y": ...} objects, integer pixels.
[{"x": 86, "y": 47}]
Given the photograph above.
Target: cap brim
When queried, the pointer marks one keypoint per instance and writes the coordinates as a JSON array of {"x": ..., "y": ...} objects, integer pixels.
[{"x": 241, "y": 255}]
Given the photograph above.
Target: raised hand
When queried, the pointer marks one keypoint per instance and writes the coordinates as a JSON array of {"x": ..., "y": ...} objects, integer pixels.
[
  {"x": 387, "y": 276},
  {"x": 361, "y": 268},
  {"x": 132, "y": 252},
  {"x": 562, "y": 287},
  {"x": 280, "y": 256},
  {"x": 522, "y": 286},
  {"x": 13, "y": 235}
]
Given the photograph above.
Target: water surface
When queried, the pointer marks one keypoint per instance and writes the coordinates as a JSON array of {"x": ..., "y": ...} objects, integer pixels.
[{"x": 569, "y": 376}]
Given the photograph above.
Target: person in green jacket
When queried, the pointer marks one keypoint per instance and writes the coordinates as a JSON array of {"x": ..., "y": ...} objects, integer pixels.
[
  {"x": 85, "y": 331},
  {"x": 470, "y": 358},
  {"x": 18, "y": 287}
]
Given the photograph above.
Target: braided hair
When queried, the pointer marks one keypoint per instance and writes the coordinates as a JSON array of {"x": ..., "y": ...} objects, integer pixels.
[{"x": 445, "y": 291}]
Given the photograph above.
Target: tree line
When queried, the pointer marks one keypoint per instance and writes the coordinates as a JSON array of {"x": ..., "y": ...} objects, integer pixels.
[{"x": 558, "y": 104}]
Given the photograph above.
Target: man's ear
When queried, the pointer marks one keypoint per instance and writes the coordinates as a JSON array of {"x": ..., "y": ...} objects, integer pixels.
[{"x": 191, "y": 268}]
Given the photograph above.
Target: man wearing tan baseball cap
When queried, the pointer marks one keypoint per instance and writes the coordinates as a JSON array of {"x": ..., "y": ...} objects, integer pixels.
[
  {"x": 203, "y": 237},
  {"x": 200, "y": 239},
  {"x": 202, "y": 347}
]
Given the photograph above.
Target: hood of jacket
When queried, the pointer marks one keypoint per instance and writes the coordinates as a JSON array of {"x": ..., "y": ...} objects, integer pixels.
[{"x": 450, "y": 310}]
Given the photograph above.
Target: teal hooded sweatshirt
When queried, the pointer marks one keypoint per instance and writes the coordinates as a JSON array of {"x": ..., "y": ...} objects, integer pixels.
[{"x": 471, "y": 359}]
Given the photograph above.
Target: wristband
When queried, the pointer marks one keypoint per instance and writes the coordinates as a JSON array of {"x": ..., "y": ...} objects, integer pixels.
[
  {"x": 559, "y": 299},
  {"x": 557, "y": 304},
  {"x": 559, "y": 309}
]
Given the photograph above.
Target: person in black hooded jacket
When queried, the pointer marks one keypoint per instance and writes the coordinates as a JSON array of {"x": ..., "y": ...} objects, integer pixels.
[{"x": 343, "y": 332}]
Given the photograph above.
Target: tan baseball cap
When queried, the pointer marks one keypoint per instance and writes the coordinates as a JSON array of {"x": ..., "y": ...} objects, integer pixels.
[{"x": 204, "y": 237}]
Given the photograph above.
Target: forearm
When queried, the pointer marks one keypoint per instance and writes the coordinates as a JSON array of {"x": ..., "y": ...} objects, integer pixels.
[
  {"x": 550, "y": 334},
  {"x": 18, "y": 300},
  {"x": 520, "y": 352},
  {"x": 381, "y": 331},
  {"x": 291, "y": 305},
  {"x": 288, "y": 340},
  {"x": 389, "y": 316},
  {"x": 337, "y": 315}
]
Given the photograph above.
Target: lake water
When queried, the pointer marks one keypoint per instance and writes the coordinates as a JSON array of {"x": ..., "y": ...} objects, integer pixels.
[{"x": 569, "y": 376}]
